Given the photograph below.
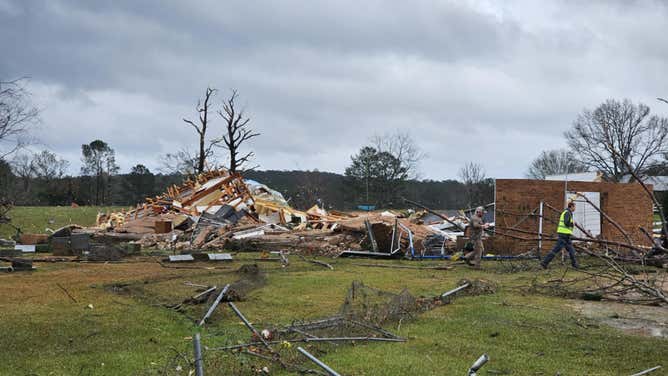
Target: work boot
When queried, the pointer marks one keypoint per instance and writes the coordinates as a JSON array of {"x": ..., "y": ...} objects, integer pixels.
[{"x": 544, "y": 266}]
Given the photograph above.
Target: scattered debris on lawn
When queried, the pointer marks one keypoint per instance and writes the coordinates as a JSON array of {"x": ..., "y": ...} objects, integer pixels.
[
  {"x": 647, "y": 371},
  {"x": 219, "y": 210},
  {"x": 473, "y": 371},
  {"x": 317, "y": 361},
  {"x": 214, "y": 305}
]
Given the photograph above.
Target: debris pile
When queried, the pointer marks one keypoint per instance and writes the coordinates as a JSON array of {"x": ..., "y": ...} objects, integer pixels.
[{"x": 219, "y": 210}]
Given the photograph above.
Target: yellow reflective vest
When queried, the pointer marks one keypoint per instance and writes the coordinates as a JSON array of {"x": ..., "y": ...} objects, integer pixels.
[{"x": 563, "y": 229}]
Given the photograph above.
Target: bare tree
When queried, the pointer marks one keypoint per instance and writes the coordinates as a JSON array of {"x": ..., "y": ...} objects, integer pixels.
[
  {"x": 201, "y": 127},
  {"x": 237, "y": 132},
  {"x": 472, "y": 173},
  {"x": 554, "y": 162},
  {"x": 48, "y": 166},
  {"x": 23, "y": 167},
  {"x": 180, "y": 162},
  {"x": 402, "y": 147},
  {"x": 17, "y": 116},
  {"x": 473, "y": 177},
  {"x": 615, "y": 131}
]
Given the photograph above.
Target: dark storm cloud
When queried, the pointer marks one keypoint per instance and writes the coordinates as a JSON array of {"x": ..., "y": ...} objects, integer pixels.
[{"x": 470, "y": 80}]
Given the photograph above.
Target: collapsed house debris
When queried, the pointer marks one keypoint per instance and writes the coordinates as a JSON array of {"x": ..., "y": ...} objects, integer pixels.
[{"x": 218, "y": 210}]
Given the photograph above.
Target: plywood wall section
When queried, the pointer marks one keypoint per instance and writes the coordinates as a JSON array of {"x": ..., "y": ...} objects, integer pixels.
[{"x": 628, "y": 204}]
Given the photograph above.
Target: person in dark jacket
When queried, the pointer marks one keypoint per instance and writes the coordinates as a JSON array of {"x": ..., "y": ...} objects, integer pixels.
[{"x": 564, "y": 232}]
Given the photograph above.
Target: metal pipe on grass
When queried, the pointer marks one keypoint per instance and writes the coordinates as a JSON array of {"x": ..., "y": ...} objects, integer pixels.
[
  {"x": 456, "y": 290},
  {"x": 478, "y": 365},
  {"x": 645, "y": 372},
  {"x": 318, "y": 362},
  {"x": 199, "y": 364},
  {"x": 214, "y": 305},
  {"x": 249, "y": 325}
]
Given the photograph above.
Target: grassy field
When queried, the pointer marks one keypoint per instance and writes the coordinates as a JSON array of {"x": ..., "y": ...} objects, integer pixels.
[
  {"x": 116, "y": 322},
  {"x": 36, "y": 219}
]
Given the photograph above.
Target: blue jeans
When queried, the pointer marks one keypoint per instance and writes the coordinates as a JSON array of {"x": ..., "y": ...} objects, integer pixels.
[{"x": 564, "y": 241}]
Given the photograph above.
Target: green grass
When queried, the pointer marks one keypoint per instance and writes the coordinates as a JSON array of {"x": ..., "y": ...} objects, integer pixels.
[
  {"x": 46, "y": 333},
  {"x": 36, "y": 219},
  {"x": 523, "y": 334}
]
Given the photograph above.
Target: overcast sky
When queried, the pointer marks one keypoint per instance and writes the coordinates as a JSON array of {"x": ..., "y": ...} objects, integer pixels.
[{"x": 470, "y": 80}]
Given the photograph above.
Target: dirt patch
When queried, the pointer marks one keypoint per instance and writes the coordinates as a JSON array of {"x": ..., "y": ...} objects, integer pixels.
[
  {"x": 251, "y": 278},
  {"x": 632, "y": 319}
]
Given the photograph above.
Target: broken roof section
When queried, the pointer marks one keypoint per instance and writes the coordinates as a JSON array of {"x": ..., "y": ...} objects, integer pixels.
[{"x": 216, "y": 196}]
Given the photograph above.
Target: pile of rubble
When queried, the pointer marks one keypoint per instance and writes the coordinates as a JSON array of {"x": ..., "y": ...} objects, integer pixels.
[{"x": 220, "y": 210}]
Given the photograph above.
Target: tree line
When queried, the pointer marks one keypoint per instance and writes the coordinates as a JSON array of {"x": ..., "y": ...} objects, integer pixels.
[{"x": 384, "y": 170}]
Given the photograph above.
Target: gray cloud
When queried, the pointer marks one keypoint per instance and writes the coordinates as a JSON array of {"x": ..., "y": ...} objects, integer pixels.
[{"x": 470, "y": 80}]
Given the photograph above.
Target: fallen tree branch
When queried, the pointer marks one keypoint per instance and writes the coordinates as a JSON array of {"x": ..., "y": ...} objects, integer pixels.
[
  {"x": 66, "y": 292},
  {"x": 317, "y": 262},
  {"x": 607, "y": 217}
]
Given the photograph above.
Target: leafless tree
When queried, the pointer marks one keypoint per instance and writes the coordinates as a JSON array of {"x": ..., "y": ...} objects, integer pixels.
[
  {"x": 201, "y": 127},
  {"x": 22, "y": 167},
  {"x": 310, "y": 188},
  {"x": 48, "y": 166},
  {"x": 473, "y": 177},
  {"x": 180, "y": 162},
  {"x": 401, "y": 146},
  {"x": 17, "y": 116},
  {"x": 472, "y": 173},
  {"x": 554, "y": 162},
  {"x": 617, "y": 130},
  {"x": 237, "y": 132}
]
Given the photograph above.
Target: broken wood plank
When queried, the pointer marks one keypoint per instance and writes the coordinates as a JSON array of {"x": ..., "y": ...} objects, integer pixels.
[{"x": 206, "y": 292}]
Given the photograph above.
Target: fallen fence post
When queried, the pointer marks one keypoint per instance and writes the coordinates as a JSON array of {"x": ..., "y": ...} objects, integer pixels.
[
  {"x": 199, "y": 366},
  {"x": 249, "y": 325},
  {"x": 478, "y": 365},
  {"x": 214, "y": 305},
  {"x": 455, "y": 290},
  {"x": 318, "y": 362},
  {"x": 645, "y": 372}
]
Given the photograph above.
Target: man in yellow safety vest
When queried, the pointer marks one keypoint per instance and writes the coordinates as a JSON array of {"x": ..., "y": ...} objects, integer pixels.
[{"x": 564, "y": 232}]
